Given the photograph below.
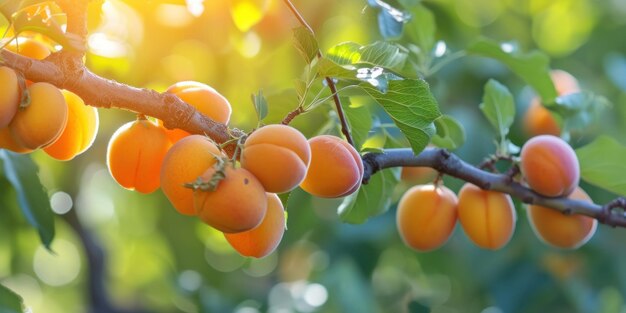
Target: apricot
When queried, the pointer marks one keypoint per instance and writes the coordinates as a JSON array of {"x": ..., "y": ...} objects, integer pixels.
[
  {"x": 538, "y": 120},
  {"x": 29, "y": 47},
  {"x": 204, "y": 98},
  {"x": 135, "y": 155},
  {"x": 417, "y": 175},
  {"x": 426, "y": 216},
  {"x": 559, "y": 230},
  {"x": 487, "y": 217},
  {"x": 550, "y": 166},
  {"x": 7, "y": 142},
  {"x": 174, "y": 135},
  {"x": 237, "y": 204},
  {"x": 9, "y": 95},
  {"x": 263, "y": 239},
  {"x": 80, "y": 131},
  {"x": 278, "y": 155},
  {"x": 42, "y": 121},
  {"x": 184, "y": 163},
  {"x": 336, "y": 169}
]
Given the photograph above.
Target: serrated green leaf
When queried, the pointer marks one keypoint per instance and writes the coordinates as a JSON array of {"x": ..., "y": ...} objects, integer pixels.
[
  {"x": 450, "y": 133},
  {"x": 602, "y": 164},
  {"x": 371, "y": 199},
  {"x": 579, "y": 110},
  {"x": 412, "y": 107},
  {"x": 421, "y": 28},
  {"x": 533, "y": 67},
  {"x": 21, "y": 172},
  {"x": 498, "y": 107},
  {"x": 305, "y": 42},
  {"x": 360, "y": 121},
  {"x": 260, "y": 105},
  {"x": 10, "y": 302},
  {"x": 380, "y": 53}
]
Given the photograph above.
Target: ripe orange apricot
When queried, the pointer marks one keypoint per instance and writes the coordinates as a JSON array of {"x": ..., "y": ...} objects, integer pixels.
[
  {"x": 29, "y": 47},
  {"x": 9, "y": 95},
  {"x": 174, "y": 135},
  {"x": 184, "y": 163},
  {"x": 538, "y": 120},
  {"x": 417, "y": 175},
  {"x": 135, "y": 155},
  {"x": 7, "y": 142},
  {"x": 80, "y": 131},
  {"x": 550, "y": 166},
  {"x": 426, "y": 216},
  {"x": 336, "y": 169},
  {"x": 278, "y": 155},
  {"x": 487, "y": 217},
  {"x": 263, "y": 239},
  {"x": 43, "y": 120},
  {"x": 204, "y": 98},
  {"x": 559, "y": 230},
  {"x": 237, "y": 204}
]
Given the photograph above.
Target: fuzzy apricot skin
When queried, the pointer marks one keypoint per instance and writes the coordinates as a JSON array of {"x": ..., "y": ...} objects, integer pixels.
[
  {"x": 278, "y": 155},
  {"x": 336, "y": 168},
  {"x": 80, "y": 131},
  {"x": 135, "y": 155},
  {"x": 42, "y": 121},
  {"x": 262, "y": 240},
  {"x": 237, "y": 204},
  {"x": 417, "y": 175},
  {"x": 9, "y": 95},
  {"x": 7, "y": 142},
  {"x": 426, "y": 216},
  {"x": 550, "y": 166},
  {"x": 205, "y": 99},
  {"x": 186, "y": 160},
  {"x": 559, "y": 230},
  {"x": 487, "y": 217},
  {"x": 538, "y": 120},
  {"x": 29, "y": 47}
]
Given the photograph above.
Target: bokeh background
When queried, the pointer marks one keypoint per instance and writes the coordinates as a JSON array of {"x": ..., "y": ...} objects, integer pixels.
[{"x": 159, "y": 261}]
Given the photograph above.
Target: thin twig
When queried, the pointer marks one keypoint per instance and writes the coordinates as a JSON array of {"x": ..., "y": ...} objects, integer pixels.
[{"x": 345, "y": 129}]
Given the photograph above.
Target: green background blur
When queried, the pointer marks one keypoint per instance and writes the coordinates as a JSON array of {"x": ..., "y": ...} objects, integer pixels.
[{"x": 165, "y": 262}]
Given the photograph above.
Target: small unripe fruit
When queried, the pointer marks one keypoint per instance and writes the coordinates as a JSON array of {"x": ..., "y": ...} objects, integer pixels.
[
  {"x": 237, "y": 204},
  {"x": 278, "y": 155},
  {"x": 42, "y": 121},
  {"x": 426, "y": 216},
  {"x": 184, "y": 163},
  {"x": 487, "y": 217},
  {"x": 336, "y": 168},
  {"x": 550, "y": 166},
  {"x": 263, "y": 239},
  {"x": 135, "y": 155},
  {"x": 560, "y": 230}
]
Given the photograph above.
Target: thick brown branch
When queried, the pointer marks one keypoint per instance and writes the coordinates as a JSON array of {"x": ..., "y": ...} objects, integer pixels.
[
  {"x": 450, "y": 164},
  {"x": 345, "y": 129}
]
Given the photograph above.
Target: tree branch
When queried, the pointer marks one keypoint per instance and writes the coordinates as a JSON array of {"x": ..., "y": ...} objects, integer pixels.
[
  {"x": 450, "y": 164},
  {"x": 345, "y": 129}
]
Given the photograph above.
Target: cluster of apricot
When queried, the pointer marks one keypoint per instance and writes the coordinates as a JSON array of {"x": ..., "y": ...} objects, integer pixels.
[
  {"x": 427, "y": 214},
  {"x": 237, "y": 198},
  {"x": 39, "y": 115}
]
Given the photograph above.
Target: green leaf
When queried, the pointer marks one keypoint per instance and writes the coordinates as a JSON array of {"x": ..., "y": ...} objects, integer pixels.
[
  {"x": 10, "y": 302},
  {"x": 602, "y": 164},
  {"x": 21, "y": 172},
  {"x": 360, "y": 121},
  {"x": 48, "y": 21},
  {"x": 499, "y": 107},
  {"x": 450, "y": 133},
  {"x": 421, "y": 28},
  {"x": 380, "y": 53},
  {"x": 579, "y": 110},
  {"x": 260, "y": 105},
  {"x": 411, "y": 106},
  {"x": 371, "y": 199},
  {"x": 305, "y": 42},
  {"x": 390, "y": 19},
  {"x": 533, "y": 67}
]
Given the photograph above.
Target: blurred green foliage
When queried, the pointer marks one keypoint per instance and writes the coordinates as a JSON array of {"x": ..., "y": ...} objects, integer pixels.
[{"x": 166, "y": 262}]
